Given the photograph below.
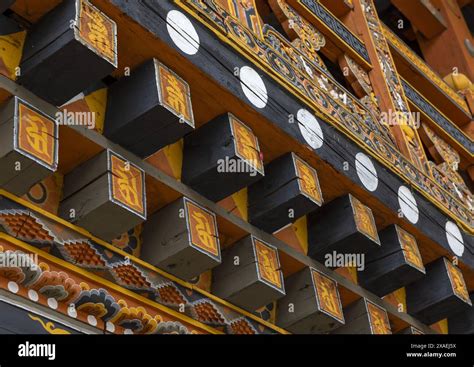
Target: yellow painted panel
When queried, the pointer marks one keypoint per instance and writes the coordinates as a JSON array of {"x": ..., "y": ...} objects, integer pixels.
[{"x": 11, "y": 50}]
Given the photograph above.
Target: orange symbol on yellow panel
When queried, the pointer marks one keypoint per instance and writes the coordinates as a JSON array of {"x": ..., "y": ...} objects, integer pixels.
[
  {"x": 308, "y": 180},
  {"x": 410, "y": 249},
  {"x": 98, "y": 31},
  {"x": 328, "y": 295},
  {"x": 127, "y": 184},
  {"x": 203, "y": 229},
  {"x": 175, "y": 94},
  {"x": 268, "y": 264},
  {"x": 36, "y": 135},
  {"x": 246, "y": 144},
  {"x": 457, "y": 282},
  {"x": 378, "y": 319},
  {"x": 364, "y": 219}
]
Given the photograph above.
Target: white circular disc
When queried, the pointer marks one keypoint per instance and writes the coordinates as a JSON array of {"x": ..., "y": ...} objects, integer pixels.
[
  {"x": 366, "y": 171},
  {"x": 128, "y": 332},
  {"x": 454, "y": 237},
  {"x": 110, "y": 327},
  {"x": 92, "y": 320},
  {"x": 408, "y": 205},
  {"x": 71, "y": 311},
  {"x": 52, "y": 303},
  {"x": 13, "y": 287},
  {"x": 310, "y": 128},
  {"x": 33, "y": 295},
  {"x": 182, "y": 32},
  {"x": 253, "y": 87}
]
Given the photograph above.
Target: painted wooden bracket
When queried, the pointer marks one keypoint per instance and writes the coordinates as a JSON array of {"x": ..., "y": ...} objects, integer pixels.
[
  {"x": 289, "y": 190},
  {"x": 68, "y": 50},
  {"x": 250, "y": 274},
  {"x": 345, "y": 226},
  {"x": 105, "y": 195},
  {"x": 365, "y": 317},
  {"x": 439, "y": 294},
  {"x": 28, "y": 146},
  {"x": 312, "y": 304},
  {"x": 149, "y": 109},
  {"x": 182, "y": 239},
  {"x": 221, "y": 157},
  {"x": 395, "y": 265}
]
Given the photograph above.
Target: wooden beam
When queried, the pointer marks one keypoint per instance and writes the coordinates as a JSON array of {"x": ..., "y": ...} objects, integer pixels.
[
  {"x": 312, "y": 304},
  {"x": 439, "y": 294},
  {"x": 250, "y": 275},
  {"x": 414, "y": 70},
  {"x": 105, "y": 195},
  {"x": 396, "y": 264},
  {"x": 450, "y": 42},
  {"x": 28, "y": 146},
  {"x": 289, "y": 190},
  {"x": 423, "y": 15},
  {"x": 221, "y": 157},
  {"x": 148, "y": 109},
  {"x": 364, "y": 317},
  {"x": 344, "y": 226},
  {"x": 182, "y": 239},
  {"x": 60, "y": 61}
]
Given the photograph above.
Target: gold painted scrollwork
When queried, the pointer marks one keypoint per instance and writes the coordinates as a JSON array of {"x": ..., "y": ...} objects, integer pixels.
[{"x": 49, "y": 326}]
